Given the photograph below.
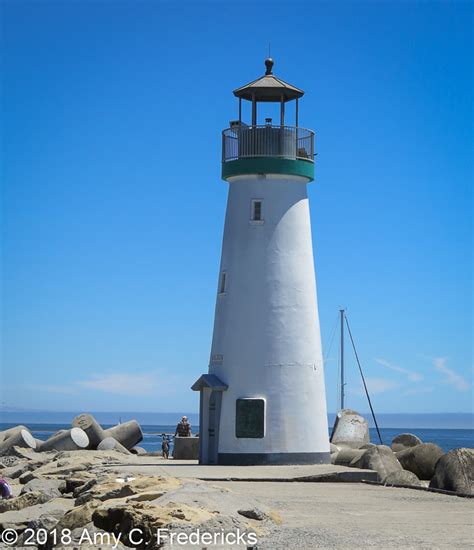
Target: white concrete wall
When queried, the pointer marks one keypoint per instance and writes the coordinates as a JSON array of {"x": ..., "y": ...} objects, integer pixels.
[{"x": 266, "y": 324}]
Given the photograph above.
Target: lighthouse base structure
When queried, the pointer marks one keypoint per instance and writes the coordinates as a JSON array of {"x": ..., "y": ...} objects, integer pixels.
[{"x": 263, "y": 401}]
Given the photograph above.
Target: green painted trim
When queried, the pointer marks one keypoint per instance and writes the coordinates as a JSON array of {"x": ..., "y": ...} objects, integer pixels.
[{"x": 268, "y": 165}]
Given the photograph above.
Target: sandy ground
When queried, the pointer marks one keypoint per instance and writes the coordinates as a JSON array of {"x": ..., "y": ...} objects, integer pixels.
[{"x": 356, "y": 515}]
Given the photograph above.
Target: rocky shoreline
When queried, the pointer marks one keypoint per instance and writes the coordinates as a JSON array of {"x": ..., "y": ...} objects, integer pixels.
[
  {"x": 74, "y": 484},
  {"x": 79, "y": 491}
]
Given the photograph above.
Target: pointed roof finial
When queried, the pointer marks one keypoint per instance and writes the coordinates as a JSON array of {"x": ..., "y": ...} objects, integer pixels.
[{"x": 269, "y": 65}]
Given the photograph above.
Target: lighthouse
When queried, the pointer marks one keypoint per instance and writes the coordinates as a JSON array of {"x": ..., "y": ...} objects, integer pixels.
[{"x": 263, "y": 399}]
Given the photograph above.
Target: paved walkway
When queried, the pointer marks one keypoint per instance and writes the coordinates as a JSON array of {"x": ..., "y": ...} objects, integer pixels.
[
  {"x": 191, "y": 469},
  {"x": 356, "y": 515}
]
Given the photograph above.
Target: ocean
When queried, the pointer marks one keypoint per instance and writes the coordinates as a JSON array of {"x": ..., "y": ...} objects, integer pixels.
[{"x": 446, "y": 438}]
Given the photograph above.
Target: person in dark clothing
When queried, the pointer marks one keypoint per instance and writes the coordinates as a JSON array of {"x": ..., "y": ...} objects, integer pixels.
[
  {"x": 165, "y": 447},
  {"x": 183, "y": 429}
]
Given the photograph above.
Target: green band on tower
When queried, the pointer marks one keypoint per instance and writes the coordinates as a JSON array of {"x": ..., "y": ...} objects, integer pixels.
[{"x": 268, "y": 165}]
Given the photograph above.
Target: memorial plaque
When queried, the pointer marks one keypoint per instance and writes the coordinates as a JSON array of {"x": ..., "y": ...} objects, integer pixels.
[{"x": 250, "y": 418}]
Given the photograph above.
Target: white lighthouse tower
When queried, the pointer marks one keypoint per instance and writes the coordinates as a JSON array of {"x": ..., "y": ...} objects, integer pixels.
[{"x": 263, "y": 400}]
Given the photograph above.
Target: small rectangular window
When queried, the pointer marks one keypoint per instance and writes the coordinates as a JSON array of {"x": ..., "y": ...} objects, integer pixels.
[
  {"x": 256, "y": 210},
  {"x": 222, "y": 282}
]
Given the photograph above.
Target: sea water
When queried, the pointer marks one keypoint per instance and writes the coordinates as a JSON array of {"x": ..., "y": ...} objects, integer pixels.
[{"x": 446, "y": 438}]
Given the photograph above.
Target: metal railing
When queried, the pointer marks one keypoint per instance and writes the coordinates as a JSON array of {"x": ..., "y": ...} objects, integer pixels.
[{"x": 267, "y": 141}]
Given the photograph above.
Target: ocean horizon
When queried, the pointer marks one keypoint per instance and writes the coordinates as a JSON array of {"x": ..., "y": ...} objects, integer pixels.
[{"x": 454, "y": 420}]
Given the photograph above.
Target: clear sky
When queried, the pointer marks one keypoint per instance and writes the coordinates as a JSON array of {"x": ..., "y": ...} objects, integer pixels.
[{"x": 113, "y": 207}]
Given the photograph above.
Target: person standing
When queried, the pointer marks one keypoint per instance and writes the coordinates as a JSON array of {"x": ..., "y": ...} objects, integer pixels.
[{"x": 165, "y": 447}]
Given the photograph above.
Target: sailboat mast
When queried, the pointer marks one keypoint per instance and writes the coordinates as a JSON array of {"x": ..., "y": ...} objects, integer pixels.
[{"x": 342, "y": 357}]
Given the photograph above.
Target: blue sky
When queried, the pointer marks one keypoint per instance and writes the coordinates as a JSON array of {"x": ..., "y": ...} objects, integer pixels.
[{"x": 113, "y": 207}]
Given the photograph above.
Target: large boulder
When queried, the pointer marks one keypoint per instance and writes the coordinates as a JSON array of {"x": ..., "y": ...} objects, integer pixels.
[
  {"x": 379, "y": 458},
  {"x": 23, "y": 501},
  {"x": 454, "y": 471},
  {"x": 404, "y": 441},
  {"x": 119, "y": 517},
  {"x": 50, "y": 488},
  {"x": 402, "y": 477},
  {"x": 350, "y": 429},
  {"x": 421, "y": 460}
]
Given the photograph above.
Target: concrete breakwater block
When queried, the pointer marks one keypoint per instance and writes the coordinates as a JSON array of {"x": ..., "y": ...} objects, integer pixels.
[
  {"x": 379, "y": 458},
  {"x": 454, "y": 471},
  {"x": 350, "y": 430},
  {"x": 402, "y": 478},
  {"x": 91, "y": 427},
  {"x": 421, "y": 459},
  {"x": 404, "y": 441},
  {"x": 17, "y": 437},
  {"x": 67, "y": 440},
  {"x": 138, "y": 451},
  {"x": 128, "y": 434},
  {"x": 345, "y": 456},
  {"x": 186, "y": 448},
  {"x": 111, "y": 444}
]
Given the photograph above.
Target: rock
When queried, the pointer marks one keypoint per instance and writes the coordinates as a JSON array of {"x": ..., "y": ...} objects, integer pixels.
[
  {"x": 74, "y": 483},
  {"x": 402, "y": 477},
  {"x": 404, "y": 441},
  {"x": 345, "y": 456},
  {"x": 147, "y": 517},
  {"x": 454, "y": 471},
  {"x": 67, "y": 440},
  {"x": 43, "y": 522},
  {"x": 350, "y": 429},
  {"x": 381, "y": 459},
  {"x": 48, "y": 487},
  {"x": 19, "y": 519},
  {"x": 421, "y": 460},
  {"x": 25, "y": 453},
  {"x": 333, "y": 448},
  {"x": 111, "y": 444},
  {"x": 26, "y": 477},
  {"x": 111, "y": 487},
  {"x": 22, "y": 501},
  {"x": 86, "y": 535},
  {"x": 78, "y": 517},
  {"x": 253, "y": 513},
  {"x": 119, "y": 492},
  {"x": 8, "y": 461},
  {"x": 14, "y": 472},
  {"x": 84, "y": 487}
]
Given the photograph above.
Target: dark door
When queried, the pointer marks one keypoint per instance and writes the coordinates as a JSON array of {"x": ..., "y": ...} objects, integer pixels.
[{"x": 213, "y": 427}]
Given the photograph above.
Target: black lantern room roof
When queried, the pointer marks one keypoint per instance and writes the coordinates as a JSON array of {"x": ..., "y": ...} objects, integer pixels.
[{"x": 268, "y": 88}]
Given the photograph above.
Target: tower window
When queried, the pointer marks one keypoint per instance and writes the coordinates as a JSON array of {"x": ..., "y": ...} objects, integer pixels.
[
  {"x": 222, "y": 282},
  {"x": 257, "y": 210}
]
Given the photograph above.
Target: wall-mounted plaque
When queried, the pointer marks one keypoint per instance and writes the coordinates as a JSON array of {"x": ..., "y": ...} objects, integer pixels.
[{"x": 250, "y": 418}]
